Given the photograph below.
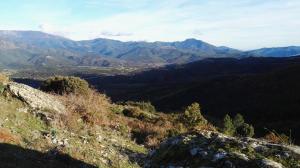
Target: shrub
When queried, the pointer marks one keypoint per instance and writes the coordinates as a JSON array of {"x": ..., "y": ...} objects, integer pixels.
[
  {"x": 274, "y": 137},
  {"x": 245, "y": 130},
  {"x": 136, "y": 112},
  {"x": 4, "y": 79},
  {"x": 228, "y": 127},
  {"x": 133, "y": 112},
  {"x": 65, "y": 85},
  {"x": 192, "y": 116},
  {"x": 146, "y": 106},
  {"x": 93, "y": 107}
]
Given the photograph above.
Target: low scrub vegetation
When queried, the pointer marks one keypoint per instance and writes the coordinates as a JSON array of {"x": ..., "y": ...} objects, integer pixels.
[
  {"x": 65, "y": 85},
  {"x": 237, "y": 126},
  {"x": 274, "y": 137},
  {"x": 4, "y": 79},
  {"x": 146, "y": 106}
]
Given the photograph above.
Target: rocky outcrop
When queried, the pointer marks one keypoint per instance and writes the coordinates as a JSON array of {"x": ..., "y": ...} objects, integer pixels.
[
  {"x": 36, "y": 99},
  {"x": 213, "y": 149}
]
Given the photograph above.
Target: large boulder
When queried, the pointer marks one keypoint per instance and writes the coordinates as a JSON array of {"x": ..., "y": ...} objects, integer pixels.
[{"x": 36, "y": 99}]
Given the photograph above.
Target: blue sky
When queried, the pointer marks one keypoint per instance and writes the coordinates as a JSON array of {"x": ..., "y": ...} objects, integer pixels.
[{"x": 242, "y": 24}]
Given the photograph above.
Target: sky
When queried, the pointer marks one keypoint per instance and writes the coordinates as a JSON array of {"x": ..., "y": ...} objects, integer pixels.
[{"x": 241, "y": 24}]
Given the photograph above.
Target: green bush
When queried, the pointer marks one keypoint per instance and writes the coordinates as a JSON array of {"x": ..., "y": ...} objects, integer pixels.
[
  {"x": 192, "y": 116},
  {"x": 237, "y": 126},
  {"x": 245, "y": 130},
  {"x": 136, "y": 112},
  {"x": 132, "y": 112},
  {"x": 65, "y": 85},
  {"x": 228, "y": 127}
]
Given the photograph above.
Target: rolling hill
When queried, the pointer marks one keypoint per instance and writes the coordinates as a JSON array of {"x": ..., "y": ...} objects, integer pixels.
[
  {"x": 276, "y": 52},
  {"x": 264, "y": 90}
]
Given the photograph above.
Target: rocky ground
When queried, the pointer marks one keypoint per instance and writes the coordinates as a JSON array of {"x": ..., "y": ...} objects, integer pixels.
[
  {"x": 213, "y": 149},
  {"x": 32, "y": 135}
]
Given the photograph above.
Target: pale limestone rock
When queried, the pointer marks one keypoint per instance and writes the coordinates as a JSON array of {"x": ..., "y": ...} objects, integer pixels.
[{"x": 36, "y": 99}]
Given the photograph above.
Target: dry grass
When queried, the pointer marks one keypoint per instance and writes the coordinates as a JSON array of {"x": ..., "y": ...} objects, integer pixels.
[
  {"x": 7, "y": 137},
  {"x": 92, "y": 108},
  {"x": 273, "y": 137},
  {"x": 96, "y": 109},
  {"x": 4, "y": 79},
  {"x": 147, "y": 133},
  {"x": 206, "y": 127}
]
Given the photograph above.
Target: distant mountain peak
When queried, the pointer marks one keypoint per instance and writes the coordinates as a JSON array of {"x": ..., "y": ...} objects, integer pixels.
[{"x": 194, "y": 41}]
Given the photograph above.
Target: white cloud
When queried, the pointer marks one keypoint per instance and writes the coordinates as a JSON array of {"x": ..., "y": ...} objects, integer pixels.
[{"x": 241, "y": 24}]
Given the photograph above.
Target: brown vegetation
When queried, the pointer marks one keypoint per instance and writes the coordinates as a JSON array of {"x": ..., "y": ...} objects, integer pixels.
[
  {"x": 274, "y": 137},
  {"x": 7, "y": 137}
]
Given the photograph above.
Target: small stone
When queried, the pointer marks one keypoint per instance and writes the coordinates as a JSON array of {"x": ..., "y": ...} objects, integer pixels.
[
  {"x": 99, "y": 138},
  {"x": 203, "y": 154},
  {"x": 241, "y": 156},
  {"x": 219, "y": 156},
  {"x": 22, "y": 110},
  {"x": 267, "y": 163},
  {"x": 195, "y": 151},
  {"x": 286, "y": 154},
  {"x": 65, "y": 142},
  {"x": 54, "y": 141}
]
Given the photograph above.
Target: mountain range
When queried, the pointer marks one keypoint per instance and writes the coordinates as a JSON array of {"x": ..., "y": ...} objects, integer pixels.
[{"x": 19, "y": 49}]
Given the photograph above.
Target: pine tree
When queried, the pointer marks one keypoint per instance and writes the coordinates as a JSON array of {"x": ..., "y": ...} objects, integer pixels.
[
  {"x": 192, "y": 115},
  {"x": 228, "y": 127},
  {"x": 238, "y": 120},
  {"x": 245, "y": 130}
]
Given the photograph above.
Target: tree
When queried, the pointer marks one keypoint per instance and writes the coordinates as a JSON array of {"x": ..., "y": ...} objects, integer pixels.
[
  {"x": 245, "y": 130},
  {"x": 238, "y": 120},
  {"x": 192, "y": 116},
  {"x": 228, "y": 127}
]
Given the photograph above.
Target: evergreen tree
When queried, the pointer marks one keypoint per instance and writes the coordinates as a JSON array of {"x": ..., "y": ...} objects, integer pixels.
[
  {"x": 238, "y": 120},
  {"x": 245, "y": 130},
  {"x": 192, "y": 115},
  {"x": 228, "y": 127}
]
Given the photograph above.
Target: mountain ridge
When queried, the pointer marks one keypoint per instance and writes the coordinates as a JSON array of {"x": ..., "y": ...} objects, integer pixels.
[{"x": 41, "y": 46}]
